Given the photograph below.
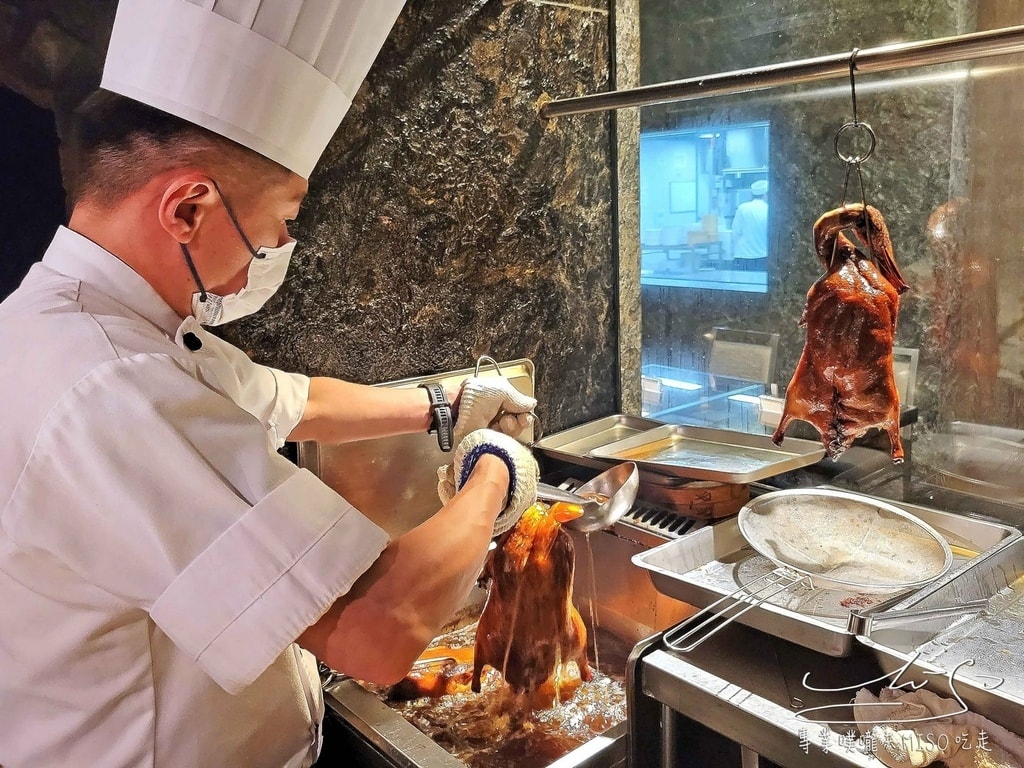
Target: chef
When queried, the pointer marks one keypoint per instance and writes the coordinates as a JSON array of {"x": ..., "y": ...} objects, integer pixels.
[
  {"x": 165, "y": 575},
  {"x": 750, "y": 230}
]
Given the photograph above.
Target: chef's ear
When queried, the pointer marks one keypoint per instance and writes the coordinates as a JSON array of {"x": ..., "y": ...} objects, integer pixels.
[{"x": 186, "y": 200}]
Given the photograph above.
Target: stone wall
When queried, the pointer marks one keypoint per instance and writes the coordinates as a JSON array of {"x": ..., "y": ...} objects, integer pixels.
[
  {"x": 446, "y": 220},
  {"x": 52, "y": 50}
]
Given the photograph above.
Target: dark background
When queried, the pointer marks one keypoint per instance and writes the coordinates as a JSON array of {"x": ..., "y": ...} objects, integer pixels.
[{"x": 31, "y": 195}]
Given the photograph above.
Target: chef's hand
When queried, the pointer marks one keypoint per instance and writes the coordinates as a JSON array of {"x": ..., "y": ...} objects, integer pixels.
[
  {"x": 493, "y": 403},
  {"x": 522, "y": 472}
]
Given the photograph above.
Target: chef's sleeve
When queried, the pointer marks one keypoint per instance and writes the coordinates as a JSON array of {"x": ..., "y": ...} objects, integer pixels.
[
  {"x": 277, "y": 398},
  {"x": 160, "y": 491}
]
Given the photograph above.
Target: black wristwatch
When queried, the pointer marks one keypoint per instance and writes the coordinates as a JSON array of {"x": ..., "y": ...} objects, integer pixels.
[{"x": 441, "y": 416}]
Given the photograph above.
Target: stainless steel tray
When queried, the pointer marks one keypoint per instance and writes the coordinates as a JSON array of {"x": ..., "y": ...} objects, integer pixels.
[
  {"x": 574, "y": 445},
  {"x": 715, "y": 561},
  {"x": 711, "y": 454},
  {"x": 990, "y": 642},
  {"x": 393, "y": 480}
]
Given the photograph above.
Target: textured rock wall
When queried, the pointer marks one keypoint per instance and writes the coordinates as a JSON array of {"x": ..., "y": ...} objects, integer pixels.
[
  {"x": 627, "y": 149},
  {"x": 445, "y": 220}
]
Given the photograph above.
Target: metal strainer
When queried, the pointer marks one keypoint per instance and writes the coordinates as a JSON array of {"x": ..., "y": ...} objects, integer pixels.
[
  {"x": 845, "y": 541},
  {"x": 824, "y": 539}
]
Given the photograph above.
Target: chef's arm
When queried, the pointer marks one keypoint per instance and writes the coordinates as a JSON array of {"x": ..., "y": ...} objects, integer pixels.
[
  {"x": 378, "y": 629},
  {"x": 339, "y": 411}
]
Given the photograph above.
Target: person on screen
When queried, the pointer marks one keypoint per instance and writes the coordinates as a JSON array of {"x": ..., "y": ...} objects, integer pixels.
[{"x": 750, "y": 230}]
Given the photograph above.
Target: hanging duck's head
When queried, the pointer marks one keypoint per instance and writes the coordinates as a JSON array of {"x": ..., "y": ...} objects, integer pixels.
[
  {"x": 833, "y": 246},
  {"x": 872, "y": 230}
]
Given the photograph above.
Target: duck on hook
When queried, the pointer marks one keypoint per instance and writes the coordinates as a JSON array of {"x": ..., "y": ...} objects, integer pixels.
[{"x": 844, "y": 384}]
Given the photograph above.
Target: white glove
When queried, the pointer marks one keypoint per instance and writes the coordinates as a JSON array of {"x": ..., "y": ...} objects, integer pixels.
[
  {"x": 522, "y": 473},
  {"x": 493, "y": 403}
]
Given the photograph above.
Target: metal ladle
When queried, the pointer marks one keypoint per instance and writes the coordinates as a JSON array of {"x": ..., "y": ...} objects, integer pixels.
[{"x": 619, "y": 486}]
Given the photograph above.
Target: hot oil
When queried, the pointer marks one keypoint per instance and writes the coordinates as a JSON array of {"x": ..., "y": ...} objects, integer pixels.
[
  {"x": 592, "y": 598},
  {"x": 511, "y": 634},
  {"x": 563, "y": 512},
  {"x": 496, "y": 729}
]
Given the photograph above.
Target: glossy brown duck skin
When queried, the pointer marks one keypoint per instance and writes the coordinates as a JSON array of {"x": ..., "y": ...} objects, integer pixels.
[
  {"x": 844, "y": 384},
  {"x": 529, "y": 623}
]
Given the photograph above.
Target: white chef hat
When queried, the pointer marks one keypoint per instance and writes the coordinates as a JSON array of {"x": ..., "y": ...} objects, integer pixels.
[
  {"x": 276, "y": 76},
  {"x": 759, "y": 187}
]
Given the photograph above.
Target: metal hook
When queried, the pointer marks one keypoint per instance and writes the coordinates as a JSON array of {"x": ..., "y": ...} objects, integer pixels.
[
  {"x": 860, "y": 177},
  {"x": 853, "y": 82},
  {"x": 537, "y": 431},
  {"x": 856, "y": 124},
  {"x": 854, "y": 160},
  {"x": 864, "y": 202},
  {"x": 486, "y": 359}
]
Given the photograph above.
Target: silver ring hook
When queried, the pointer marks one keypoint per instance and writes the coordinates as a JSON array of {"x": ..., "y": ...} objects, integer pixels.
[
  {"x": 486, "y": 359},
  {"x": 855, "y": 159}
]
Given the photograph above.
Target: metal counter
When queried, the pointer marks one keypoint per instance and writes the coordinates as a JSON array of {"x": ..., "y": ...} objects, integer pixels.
[
  {"x": 745, "y": 689},
  {"x": 681, "y": 704}
]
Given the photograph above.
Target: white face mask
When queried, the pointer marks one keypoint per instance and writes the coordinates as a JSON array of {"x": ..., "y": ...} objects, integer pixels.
[{"x": 266, "y": 274}]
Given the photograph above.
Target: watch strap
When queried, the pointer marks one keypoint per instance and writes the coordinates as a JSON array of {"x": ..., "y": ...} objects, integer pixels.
[{"x": 441, "y": 421}]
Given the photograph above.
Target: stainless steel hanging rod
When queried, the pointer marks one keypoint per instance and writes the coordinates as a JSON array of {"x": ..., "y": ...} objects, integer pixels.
[{"x": 886, "y": 58}]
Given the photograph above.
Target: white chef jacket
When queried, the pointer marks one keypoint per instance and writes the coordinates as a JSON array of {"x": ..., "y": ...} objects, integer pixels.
[
  {"x": 157, "y": 557},
  {"x": 750, "y": 230}
]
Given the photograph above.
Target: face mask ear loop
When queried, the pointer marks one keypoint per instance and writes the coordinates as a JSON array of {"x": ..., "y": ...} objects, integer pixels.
[
  {"x": 195, "y": 274},
  {"x": 234, "y": 220}
]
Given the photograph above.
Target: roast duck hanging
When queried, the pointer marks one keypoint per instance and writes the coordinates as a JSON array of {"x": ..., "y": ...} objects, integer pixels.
[
  {"x": 844, "y": 383},
  {"x": 529, "y": 630}
]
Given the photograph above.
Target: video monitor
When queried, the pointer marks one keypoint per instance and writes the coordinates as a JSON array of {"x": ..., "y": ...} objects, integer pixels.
[{"x": 704, "y": 199}]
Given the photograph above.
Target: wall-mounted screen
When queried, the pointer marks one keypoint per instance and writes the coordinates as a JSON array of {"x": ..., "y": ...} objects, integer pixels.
[{"x": 704, "y": 200}]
